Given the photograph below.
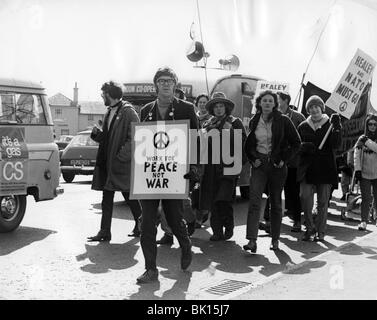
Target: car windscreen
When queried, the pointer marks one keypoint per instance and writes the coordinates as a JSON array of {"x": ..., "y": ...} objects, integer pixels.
[{"x": 82, "y": 140}]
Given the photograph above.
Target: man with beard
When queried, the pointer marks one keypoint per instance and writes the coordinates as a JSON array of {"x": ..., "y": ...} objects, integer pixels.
[
  {"x": 113, "y": 164},
  {"x": 165, "y": 107}
]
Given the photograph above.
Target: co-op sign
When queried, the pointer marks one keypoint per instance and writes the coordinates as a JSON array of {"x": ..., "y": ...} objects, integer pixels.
[{"x": 149, "y": 89}]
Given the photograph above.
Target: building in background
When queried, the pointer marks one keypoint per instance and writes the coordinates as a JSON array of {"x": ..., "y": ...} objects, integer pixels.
[{"x": 72, "y": 116}]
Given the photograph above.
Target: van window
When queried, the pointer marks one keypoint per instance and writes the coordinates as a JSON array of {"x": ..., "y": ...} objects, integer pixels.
[{"x": 22, "y": 108}]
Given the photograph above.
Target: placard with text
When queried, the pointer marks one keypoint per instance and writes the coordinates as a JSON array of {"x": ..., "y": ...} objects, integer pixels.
[{"x": 160, "y": 159}]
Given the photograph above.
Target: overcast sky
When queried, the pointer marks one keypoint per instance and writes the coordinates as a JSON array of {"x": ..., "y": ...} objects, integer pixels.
[{"x": 59, "y": 42}]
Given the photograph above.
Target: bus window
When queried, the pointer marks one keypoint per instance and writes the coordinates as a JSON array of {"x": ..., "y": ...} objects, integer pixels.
[{"x": 21, "y": 108}]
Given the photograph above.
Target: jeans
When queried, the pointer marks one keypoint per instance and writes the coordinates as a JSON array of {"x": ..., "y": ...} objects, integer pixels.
[
  {"x": 173, "y": 210},
  {"x": 107, "y": 209},
  {"x": 366, "y": 197},
  {"x": 292, "y": 194},
  {"x": 274, "y": 178},
  {"x": 307, "y": 202}
]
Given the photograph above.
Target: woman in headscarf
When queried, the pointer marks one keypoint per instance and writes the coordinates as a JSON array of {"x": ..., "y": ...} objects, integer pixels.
[
  {"x": 365, "y": 159},
  {"x": 217, "y": 187},
  {"x": 273, "y": 140}
]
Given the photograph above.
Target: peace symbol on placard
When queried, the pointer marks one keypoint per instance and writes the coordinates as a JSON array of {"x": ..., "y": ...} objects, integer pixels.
[
  {"x": 161, "y": 140},
  {"x": 343, "y": 106}
]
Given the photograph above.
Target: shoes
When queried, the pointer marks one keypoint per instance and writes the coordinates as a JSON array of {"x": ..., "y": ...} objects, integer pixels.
[
  {"x": 135, "y": 232},
  {"x": 186, "y": 257},
  {"x": 296, "y": 227},
  {"x": 308, "y": 234},
  {"x": 252, "y": 246},
  {"x": 191, "y": 228},
  {"x": 274, "y": 245},
  {"x": 148, "y": 276},
  {"x": 265, "y": 226},
  {"x": 101, "y": 236},
  {"x": 216, "y": 237},
  {"x": 228, "y": 233},
  {"x": 319, "y": 237},
  {"x": 362, "y": 226},
  {"x": 166, "y": 239}
]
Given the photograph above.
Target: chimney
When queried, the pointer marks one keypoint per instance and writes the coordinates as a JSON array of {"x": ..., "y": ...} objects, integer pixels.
[{"x": 75, "y": 95}]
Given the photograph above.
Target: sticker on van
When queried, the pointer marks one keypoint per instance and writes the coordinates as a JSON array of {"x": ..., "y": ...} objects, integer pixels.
[{"x": 13, "y": 160}]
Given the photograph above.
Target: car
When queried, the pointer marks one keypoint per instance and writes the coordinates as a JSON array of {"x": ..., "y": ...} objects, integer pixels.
[
  {"x": 63, "y": 141},
  {"x": 79, "y": 157}
]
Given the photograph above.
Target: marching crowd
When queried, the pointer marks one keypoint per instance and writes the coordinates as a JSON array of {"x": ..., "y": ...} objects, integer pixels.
[{"x": 287, "y": 152}]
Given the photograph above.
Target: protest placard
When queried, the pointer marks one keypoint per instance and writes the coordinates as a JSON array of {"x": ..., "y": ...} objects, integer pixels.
[
  {"x": 160, "y": 159},
  {"x": 274, "y": 86},
  {"x": 350, "y": 87}
]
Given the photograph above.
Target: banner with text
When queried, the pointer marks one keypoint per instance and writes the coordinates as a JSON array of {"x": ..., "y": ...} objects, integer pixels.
[
  {"x": 350, "y": 87},
  {"x": 13, "y": 161},
  {"x": 274, "y": 86},
  {"x": 160, "y": 160}
]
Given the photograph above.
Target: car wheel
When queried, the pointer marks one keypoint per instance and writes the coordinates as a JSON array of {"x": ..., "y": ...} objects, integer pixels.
[
  {"x": 68, "y": 177},
  {"x": 12, "y": 211},
  {"x": 245, "y": 192}
]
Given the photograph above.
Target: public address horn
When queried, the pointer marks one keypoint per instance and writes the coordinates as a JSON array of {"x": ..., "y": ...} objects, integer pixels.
[
  {"x": 195, "y": 52},
  {"x": 230, "y": 63}
]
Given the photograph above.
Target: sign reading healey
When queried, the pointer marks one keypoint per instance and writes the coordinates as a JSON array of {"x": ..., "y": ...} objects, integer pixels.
[
  {"x": 273, "y": 86},
  {"x": 13, "y": 161},
  {"x": 161, "y": 159},
  {"x": 350, "y": 87}
]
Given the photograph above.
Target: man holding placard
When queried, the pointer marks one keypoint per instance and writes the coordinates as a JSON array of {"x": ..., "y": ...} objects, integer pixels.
[{"x": 165, "y": 108}]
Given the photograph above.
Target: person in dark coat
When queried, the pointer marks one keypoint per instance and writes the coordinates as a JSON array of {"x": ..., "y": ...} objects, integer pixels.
[
  {"x": 217, "y": 189},
  {"x": 165, "y": 107},
  {"x": 317, "y": 170},
  {"x": 292, "y": 187},
  {"x": 112, "y": 171},
  {"x": 272, "y": 142}
]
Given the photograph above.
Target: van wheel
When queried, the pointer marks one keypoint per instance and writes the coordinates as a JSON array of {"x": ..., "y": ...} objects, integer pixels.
[
  {"x": 245, "y": 192},
  {"x": 68, "y": 177},
  {"x": 12, "y": 211}
]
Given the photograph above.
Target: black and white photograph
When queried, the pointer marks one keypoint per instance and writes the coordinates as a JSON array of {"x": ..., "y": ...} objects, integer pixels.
[{"x": 188, "y": 155}]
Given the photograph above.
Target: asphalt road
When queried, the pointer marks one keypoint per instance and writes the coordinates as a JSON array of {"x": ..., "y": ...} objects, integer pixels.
[{"x": 48, "y": 257}]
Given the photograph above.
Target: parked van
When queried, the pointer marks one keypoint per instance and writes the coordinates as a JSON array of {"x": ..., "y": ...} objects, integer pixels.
[{"x": 29, "y": 158}]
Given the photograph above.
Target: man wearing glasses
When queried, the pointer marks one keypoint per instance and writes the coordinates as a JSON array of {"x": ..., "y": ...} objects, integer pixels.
[{"x": 165, "y": 107}]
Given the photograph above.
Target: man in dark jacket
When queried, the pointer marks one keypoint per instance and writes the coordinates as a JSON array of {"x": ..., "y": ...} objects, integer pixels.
[
  {"x": 291, "y": 186},
  {"x": 165, "y": 107},
  {"x": 113, "y": 165}
]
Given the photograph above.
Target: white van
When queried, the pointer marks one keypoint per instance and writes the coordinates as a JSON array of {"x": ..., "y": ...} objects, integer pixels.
[{"x": 29, "y": 158}]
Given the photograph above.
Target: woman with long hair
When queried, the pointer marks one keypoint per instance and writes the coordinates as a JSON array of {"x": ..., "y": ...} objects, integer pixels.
[{"x": 273, "y": 140}]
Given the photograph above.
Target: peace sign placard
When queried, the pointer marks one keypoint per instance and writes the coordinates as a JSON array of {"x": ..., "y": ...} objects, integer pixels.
[{"x": 160, "y": 159}]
